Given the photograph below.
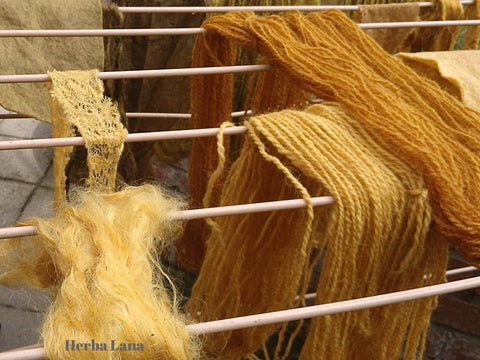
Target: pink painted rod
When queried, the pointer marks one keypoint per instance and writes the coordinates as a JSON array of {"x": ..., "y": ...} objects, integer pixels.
[
  {"x": 11, "y": 232},
  {"x": 218, "y": 9},
  {"x": 307, "y": 312},
  {"x": 177, "y": 115},
  {"x": 138, "y": 115},
  {"x": 137, "y": 74},
  {"x": 136, "y": 137},
  {"x": 99, "y": 32},
  {"x": 196, "y": 31}
]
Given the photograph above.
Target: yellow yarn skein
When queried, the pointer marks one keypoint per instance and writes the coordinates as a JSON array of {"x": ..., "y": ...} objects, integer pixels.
[
  {"x": 375, "y": 239},
  {"x": 326, "y": 54}
]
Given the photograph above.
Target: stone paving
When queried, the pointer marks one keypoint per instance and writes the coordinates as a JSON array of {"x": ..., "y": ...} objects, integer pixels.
[{"x": 26, "y": 189}]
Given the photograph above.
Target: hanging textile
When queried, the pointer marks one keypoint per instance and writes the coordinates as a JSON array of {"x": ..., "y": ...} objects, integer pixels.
[
  {"x": 76, "y": 169},
  {"x": 456, "y": 71},
  {"x": 100, "y": 252},
  {"x": 164, "y": 95},
  {"x": 406, "y": 116},
  {"x": 392, "y": 40},
  {"x": 42, "y": 54}
]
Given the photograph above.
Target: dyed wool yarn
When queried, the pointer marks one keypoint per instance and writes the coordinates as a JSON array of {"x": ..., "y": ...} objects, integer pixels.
[
  {"x": 191, "y": 247},
  {"x": 326, "y": 54},
  {"x": 375, "y": 239},
  {"x": 98, "y": 253},
  {"x": 414, "y": 126}
]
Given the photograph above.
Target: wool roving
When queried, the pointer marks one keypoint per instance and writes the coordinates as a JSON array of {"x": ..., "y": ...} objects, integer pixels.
[
  {"x": 329, "y": 56},
  {"x": 375, "y": 239},
  {"x": 99, "y": 253}
]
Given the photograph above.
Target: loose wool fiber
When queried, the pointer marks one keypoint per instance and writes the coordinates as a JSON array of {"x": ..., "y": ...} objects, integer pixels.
[{"x": 99, "y": 252}]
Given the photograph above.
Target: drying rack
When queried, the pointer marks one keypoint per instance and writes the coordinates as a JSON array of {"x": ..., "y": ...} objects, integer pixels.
[{"x": 306, "y": 312}]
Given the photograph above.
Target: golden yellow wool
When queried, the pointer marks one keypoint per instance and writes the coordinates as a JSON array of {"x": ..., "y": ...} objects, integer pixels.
[
  {"x": 375, "y": 239},
  {"x": 100, "y": 260},
  {"x": 423, "y": 143},
  {"x": 99, "y": 252},
  {"x": 327, "y": 55},
  {"x": 246, "y": 57}
]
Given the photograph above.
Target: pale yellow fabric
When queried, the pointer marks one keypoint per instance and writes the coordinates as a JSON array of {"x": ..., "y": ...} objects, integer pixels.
[
  {"x": 41, "y": 54},
  {"x": 460, "y": 68}
]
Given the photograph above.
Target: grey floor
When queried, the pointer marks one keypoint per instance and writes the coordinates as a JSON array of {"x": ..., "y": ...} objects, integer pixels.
[{"x": 26, "y": 189}]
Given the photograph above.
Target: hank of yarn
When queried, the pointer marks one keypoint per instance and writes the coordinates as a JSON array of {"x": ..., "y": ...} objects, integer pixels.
[
  {"x": 443, "y": 38},
  {"x": 328, "y": 55},
  {"x": 262, "y": 262}
]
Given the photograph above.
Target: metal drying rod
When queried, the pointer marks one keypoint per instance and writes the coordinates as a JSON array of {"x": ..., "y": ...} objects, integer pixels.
[
  {"x": 191, "y": 214},
  {"x": 222, "y": 9},
  {"x": 243, "y": 322},
  {"x": 197, "y": 31}
]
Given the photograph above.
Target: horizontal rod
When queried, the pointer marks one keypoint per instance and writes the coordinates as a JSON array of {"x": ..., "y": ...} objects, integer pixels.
[
  {"x": 177, "y": 115},
  {"x": 221, "y": 9},
  {"x": 457, "y": 271},
  {"x": 332, "y": 308},
  {"x": 135, "y": 137},
  {"x": 197, "y": 31},
  {"x": 138, "y": 115},
  {"x": 12, "y": 116},
  {"x": 11, "y": 232},
  {"x": 461, "y": 270},
  {"x": 157, "y": 115},
  {"x": 137, "y": 74},
  {"x": 408, "y": 24},
  {"x": 99, "y": 32},
  {"x": 307, "y": 312}
]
